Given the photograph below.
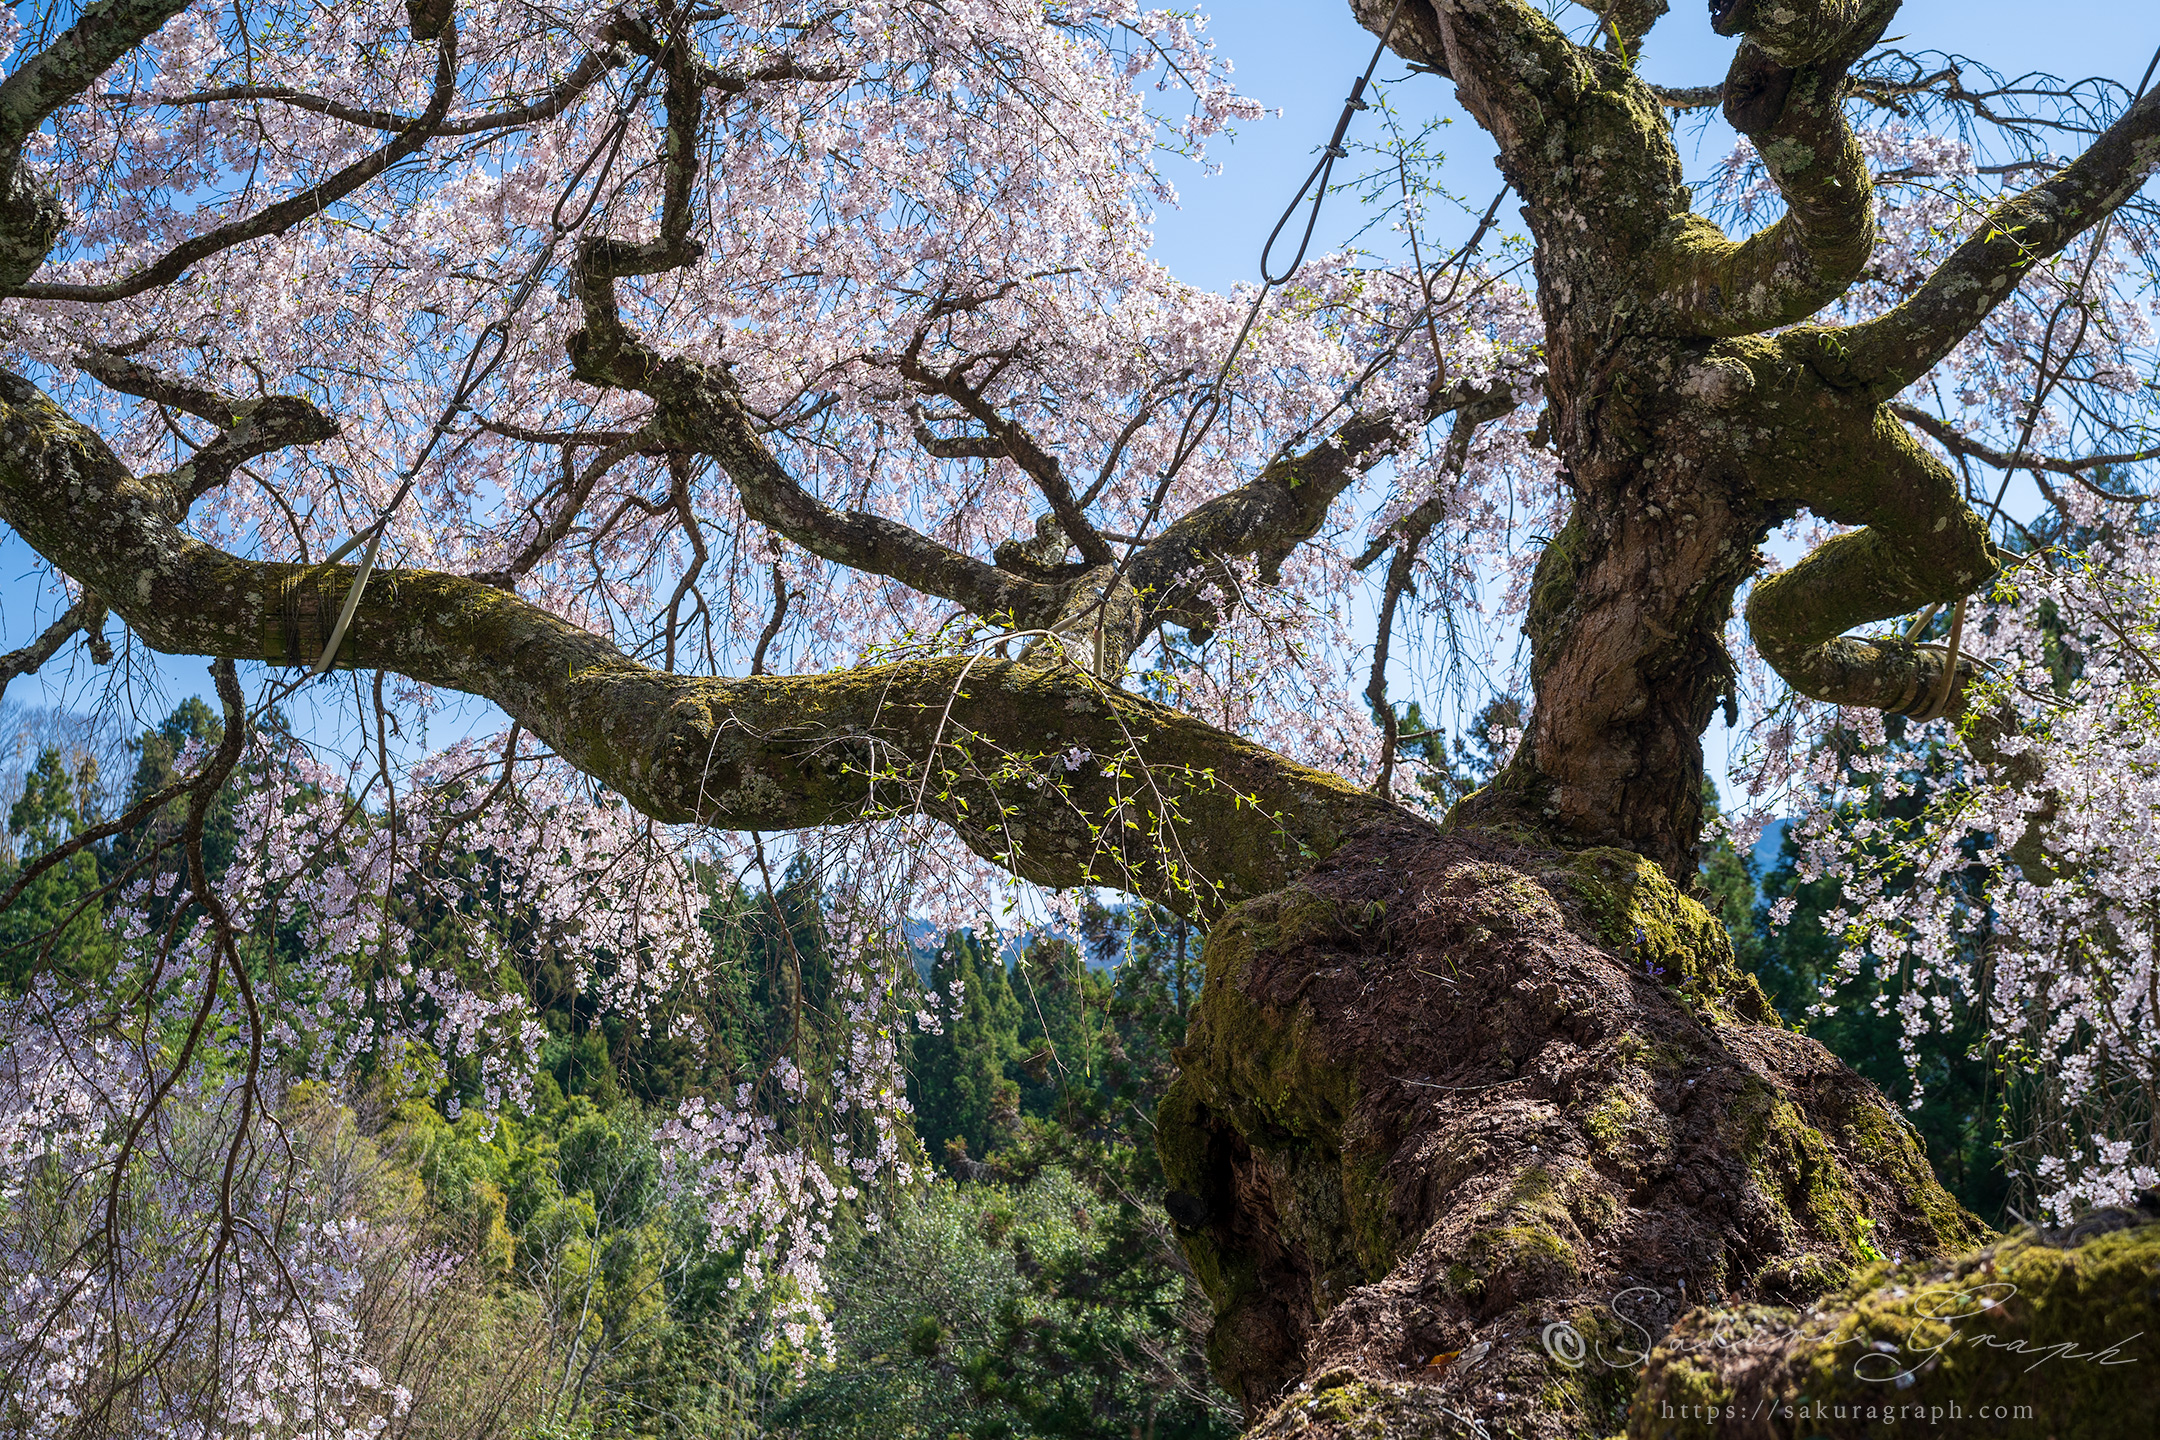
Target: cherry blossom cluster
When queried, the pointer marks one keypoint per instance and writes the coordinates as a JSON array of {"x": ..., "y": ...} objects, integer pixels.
[{"x": 179, "y": 1226}]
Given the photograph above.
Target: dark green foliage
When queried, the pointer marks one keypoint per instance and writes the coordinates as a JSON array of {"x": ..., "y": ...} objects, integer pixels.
[
  {"x": 57, "y": 923},
  {"x": 1041, "y": 1294},
  {"x": 961, "y": 1082},
  {"x": 1960, "y": 1110},
  {"x": 1029, "y": 1307}
]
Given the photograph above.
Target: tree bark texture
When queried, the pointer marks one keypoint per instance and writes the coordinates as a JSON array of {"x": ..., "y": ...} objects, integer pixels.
[
  {"x": 1688, "y": 430},
  {"x": 1448, "y": 1098},
  {"x": 1444, "y": 1094}
]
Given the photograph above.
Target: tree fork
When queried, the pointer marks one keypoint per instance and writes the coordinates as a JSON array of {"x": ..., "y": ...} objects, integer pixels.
[{"x": 1042, "y": 768}]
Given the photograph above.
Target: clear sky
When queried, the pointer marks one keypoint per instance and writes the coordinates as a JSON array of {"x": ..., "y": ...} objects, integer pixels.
[{"x": 1298, "y": 58}]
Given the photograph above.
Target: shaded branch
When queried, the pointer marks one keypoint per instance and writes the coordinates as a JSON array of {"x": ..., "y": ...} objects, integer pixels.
[
  {"x": 1263, "y": 520},
  {"x": 1138, "y": 796}
]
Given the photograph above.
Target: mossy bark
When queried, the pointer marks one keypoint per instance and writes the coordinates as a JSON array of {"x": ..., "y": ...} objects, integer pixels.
[
  {"x": 1690, "y": 422},
  {"x": 2041, "y": 1333},
  {"x": 1440, "y": 1095},
  {"x": 1058, "y": 776}
]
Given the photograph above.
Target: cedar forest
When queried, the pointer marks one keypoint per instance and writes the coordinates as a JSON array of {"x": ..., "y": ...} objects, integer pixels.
[{"x": 828, "y": 803}]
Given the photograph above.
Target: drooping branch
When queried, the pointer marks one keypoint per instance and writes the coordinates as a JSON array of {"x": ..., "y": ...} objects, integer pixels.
[
  {"x": 1884, "y": 355},
  {"x": 1957, "y": 442},
  {"x": 1115, "y": 790},
  {"x": 272, "y": 219},
  {"x": 1408, "y": 536}
]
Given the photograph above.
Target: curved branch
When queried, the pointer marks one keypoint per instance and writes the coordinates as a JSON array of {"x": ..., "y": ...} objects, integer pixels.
[
  {"x": 558, "y": 99},
  {"x": 247, "y": 428},
  {"x": 698, "y": 411},
  {"x": 272, "y": 219},
  {"x": 1884, "y": 355},
  {"x": 1782, "y": 92},
  {"x": 1136, "y": 795},
  {"x": 1921, "y": 544}
]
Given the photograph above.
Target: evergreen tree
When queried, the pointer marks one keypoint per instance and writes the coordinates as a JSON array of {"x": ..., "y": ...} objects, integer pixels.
[
  {"x": 57, "y": 923},
  {"x": 150, "y": 847},
  {"x": 963, "y": 1093},
  {"x": 1063, "y": 1006}
]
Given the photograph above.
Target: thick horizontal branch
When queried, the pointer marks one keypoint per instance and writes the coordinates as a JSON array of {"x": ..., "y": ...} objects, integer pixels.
[
  {"x": 1884, "y": 355},
  {"x": 1061, "y": 779}
]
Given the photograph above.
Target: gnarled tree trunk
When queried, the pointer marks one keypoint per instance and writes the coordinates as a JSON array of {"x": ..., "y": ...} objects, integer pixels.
[{"x": 1468, "y": 1123}]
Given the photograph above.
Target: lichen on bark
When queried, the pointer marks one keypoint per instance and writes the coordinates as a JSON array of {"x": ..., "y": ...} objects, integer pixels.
[
  {"x": 1439, "y": 1095},
  {"x": 2039, "y": 1332}
]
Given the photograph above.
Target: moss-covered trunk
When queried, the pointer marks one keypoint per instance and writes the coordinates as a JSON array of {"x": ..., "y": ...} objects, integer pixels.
[{"x": 1465, "y": 1125}]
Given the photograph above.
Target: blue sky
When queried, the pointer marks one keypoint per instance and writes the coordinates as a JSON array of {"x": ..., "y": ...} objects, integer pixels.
[
  {"x": 1298, "y": 58},
  {"x": 1301, "y": 57}
]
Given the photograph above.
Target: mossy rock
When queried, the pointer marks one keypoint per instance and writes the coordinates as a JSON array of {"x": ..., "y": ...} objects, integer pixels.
[{"x": 1437, "y": 1097}]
